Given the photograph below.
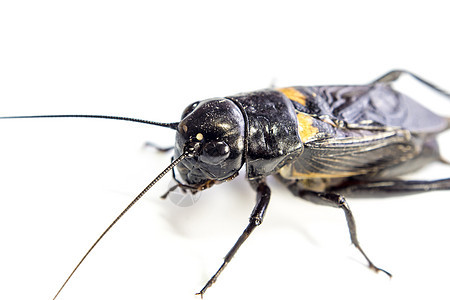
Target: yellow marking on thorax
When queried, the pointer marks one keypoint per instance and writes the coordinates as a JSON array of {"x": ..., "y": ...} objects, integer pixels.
[
  {"x": 293, "y": 95},
  {"x": 306, "y": 128}
]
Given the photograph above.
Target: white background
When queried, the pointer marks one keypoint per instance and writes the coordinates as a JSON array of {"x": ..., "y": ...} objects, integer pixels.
[{"x": 63, "y": 181}]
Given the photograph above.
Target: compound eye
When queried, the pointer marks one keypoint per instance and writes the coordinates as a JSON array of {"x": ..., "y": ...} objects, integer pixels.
[{"x": 215, "y": 153}]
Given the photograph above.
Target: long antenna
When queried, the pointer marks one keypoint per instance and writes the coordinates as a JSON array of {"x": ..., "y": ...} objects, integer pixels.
[
  {"x": 167, "y": 125},
  {"x": 187, "y": 152}
]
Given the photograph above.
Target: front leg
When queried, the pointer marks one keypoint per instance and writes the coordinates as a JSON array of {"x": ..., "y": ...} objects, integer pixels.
[{"x": 256, "y": 218}]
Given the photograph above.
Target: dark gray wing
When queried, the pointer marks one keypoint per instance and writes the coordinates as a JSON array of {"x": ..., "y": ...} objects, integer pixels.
[
  {"x": 378, "y": 103},
  {"x": 351, "y": 156}
]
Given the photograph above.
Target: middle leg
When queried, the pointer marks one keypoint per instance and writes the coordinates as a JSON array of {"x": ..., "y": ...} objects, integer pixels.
[{"x": 338, "y": 201}]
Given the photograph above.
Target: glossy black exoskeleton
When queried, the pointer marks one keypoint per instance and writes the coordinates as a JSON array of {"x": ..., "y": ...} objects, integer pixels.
[{"x": 322, "y": 142}]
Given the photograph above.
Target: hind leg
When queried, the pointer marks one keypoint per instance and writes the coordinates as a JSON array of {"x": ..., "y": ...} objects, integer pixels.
[
  {"x": 367, "y": 188},
  {"x": 395, "y": 74}
]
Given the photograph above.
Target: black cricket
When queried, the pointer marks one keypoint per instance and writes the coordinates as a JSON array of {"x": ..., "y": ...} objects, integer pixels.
[{"x": 322, "y": 142}]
